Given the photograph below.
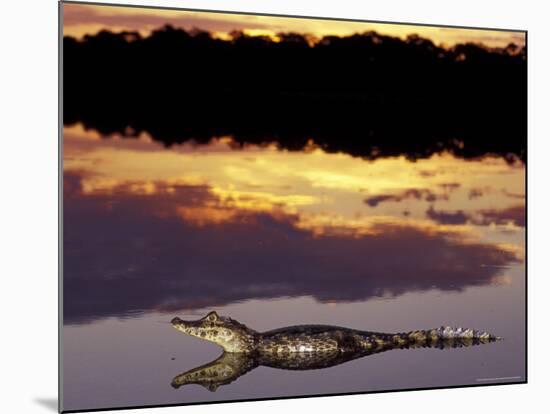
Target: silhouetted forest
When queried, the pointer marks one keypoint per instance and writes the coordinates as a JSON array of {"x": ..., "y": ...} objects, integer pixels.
[{"x": 367, "y": 95}]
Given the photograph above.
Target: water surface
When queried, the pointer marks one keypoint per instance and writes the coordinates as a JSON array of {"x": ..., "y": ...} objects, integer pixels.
[{"x": 272, "y": 238}]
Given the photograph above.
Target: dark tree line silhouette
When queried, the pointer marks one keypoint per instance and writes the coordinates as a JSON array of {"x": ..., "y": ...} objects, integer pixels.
[{"x": 366, "y": 94}]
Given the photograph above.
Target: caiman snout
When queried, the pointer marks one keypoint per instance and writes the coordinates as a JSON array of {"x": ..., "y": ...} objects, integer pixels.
[{"x": 231, "y": 335}]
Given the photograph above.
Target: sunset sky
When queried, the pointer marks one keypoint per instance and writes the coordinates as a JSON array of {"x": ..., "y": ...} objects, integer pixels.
[{"x": 80, "y": 19}]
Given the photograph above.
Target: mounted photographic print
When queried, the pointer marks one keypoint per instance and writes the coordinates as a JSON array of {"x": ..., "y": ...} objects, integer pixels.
[{"x": 259, "y": 207}]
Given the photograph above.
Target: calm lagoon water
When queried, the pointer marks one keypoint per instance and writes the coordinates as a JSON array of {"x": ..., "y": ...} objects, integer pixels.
[{"x": 275, "y": 238}]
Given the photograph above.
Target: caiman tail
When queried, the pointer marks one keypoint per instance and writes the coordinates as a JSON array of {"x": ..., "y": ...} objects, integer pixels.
[{"x": 443, "y": 337}]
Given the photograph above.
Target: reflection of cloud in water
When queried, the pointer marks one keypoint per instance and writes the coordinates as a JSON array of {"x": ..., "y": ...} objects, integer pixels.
[
  {"x": 413, "y": 193},
  {"x": 447, "y": 217},
  {"x": 514, "y": 215},
  {"x": 128, "y": 251}
]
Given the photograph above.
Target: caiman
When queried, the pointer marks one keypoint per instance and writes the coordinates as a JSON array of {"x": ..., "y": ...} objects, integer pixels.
[{"x": 302, "y": 347}]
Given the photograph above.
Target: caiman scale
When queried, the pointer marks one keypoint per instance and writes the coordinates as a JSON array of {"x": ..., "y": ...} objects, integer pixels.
[{"x": 302, "y": 347}]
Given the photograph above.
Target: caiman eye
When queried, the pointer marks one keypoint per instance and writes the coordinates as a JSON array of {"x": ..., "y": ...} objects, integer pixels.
[{"x": 212, "y": 316}]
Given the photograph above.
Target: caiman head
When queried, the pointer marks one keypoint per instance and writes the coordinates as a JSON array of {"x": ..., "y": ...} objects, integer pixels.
[{"x": 231, "y": 335}]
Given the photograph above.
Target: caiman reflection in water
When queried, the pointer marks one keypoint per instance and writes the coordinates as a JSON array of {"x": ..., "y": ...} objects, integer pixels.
[{"x": 303, "y": 347}]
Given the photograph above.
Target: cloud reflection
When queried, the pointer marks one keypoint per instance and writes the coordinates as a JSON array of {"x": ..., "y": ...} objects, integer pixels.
[
  {"x": 413, "y": 193},
  {"x": 514, "y": 215},
  {"x": 185, "y": 248}
]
